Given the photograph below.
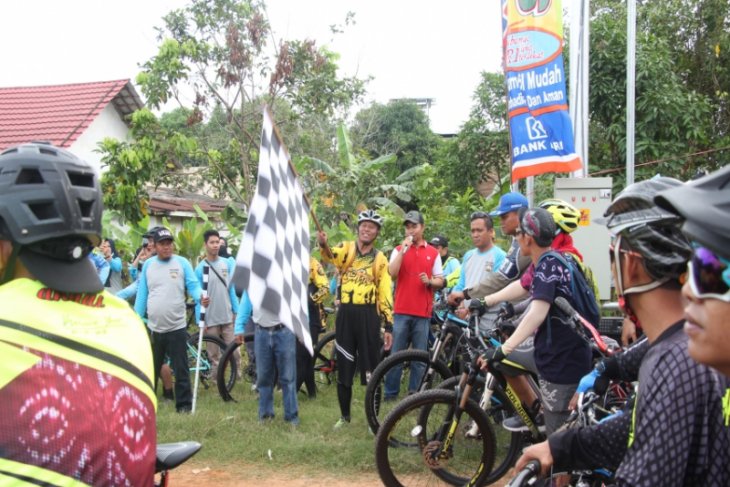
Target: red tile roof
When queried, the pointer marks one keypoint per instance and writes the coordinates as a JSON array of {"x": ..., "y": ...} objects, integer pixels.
[{"x": 59, "y": 113}]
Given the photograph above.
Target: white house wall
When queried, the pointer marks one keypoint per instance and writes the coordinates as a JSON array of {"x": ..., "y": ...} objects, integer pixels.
[{"x": 107, "y": 124}]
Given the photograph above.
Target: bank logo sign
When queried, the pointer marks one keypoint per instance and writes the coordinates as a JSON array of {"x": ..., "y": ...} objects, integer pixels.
[{"x": 540, "y": 129}]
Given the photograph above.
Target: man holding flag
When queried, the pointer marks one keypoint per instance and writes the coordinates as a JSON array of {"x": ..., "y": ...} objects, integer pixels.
[{"x": 365, "y": 297}]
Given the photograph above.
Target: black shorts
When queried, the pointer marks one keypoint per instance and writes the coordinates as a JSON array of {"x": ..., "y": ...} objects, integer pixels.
[{"x": 357, "y": 336}]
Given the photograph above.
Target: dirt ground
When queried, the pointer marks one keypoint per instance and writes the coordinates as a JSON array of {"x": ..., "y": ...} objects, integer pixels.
[{"x": 206, "y": 474}]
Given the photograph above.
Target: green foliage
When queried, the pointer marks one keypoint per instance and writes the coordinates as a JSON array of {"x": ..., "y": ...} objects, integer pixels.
[
  {"x": 676, "y": 113},
  {"x": 480, "y": 152},
  {"x": 400, "y": 128}
]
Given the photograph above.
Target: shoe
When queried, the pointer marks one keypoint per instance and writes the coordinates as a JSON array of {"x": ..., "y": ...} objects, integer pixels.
[
  {"x": 341, "y": 422},
  {"x": 167, "y": 395},
  {"x": 473, "y": 431},
  {"x": 266, "y": 418},
  {"x": 293, "y": 422},
  {"x": 516, "y": 425},
  {"x": 185, "y": 409}
]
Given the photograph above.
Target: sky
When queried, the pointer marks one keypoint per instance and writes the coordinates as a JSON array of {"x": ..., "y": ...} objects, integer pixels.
[{"x": 412, "y": 49}]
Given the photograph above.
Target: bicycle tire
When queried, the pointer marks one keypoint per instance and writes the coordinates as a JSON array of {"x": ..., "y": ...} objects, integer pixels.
[
  {"x": 422, "y": 416},
  {"x": 325, "y": 359},
  {"x": 206, "y": 373},
  {"x": 508, "y": 444},
  {"x": 375, "y": 407},
  {"x": 227, "y": 375}
]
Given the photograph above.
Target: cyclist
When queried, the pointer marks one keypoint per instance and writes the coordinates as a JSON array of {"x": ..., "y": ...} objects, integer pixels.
[
  {"x": 366, "y": 298},
  {"x": 78, "y": 406},
  {"x": 484, "y": 258},
  {"x": 705, "y": 207},
  {"x": 562, "y": 357},
  {"x": 675, "y": 433},
  {"x": 511, "y": 206}
]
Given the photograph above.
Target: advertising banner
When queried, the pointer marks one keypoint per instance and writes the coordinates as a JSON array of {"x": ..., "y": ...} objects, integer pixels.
[{"x": 540, "y": 129}]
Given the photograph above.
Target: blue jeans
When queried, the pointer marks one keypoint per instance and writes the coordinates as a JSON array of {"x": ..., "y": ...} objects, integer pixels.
[
  {"x": 276, "y": 350},
  {"x": 407, "y": 329}
]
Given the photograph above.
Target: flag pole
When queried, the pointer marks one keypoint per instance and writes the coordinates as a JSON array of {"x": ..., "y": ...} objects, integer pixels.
[{"x": 201, "y": 332}]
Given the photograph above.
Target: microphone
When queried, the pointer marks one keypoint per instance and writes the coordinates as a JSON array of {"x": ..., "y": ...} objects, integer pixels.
[{"x": 410, "y": 240}]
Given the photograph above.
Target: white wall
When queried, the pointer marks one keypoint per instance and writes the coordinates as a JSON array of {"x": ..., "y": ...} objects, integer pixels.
[{"x": 107, "y": 124}]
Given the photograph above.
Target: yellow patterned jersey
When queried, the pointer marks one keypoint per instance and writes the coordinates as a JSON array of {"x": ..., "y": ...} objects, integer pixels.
[
  {"x": 364, "y": 278},
  {"x": 78, "y": 405},
  {"x": 318, "y": 284}
]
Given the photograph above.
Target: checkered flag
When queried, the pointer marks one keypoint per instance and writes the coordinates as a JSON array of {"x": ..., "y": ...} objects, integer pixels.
[{"x": 273, "y": 260}]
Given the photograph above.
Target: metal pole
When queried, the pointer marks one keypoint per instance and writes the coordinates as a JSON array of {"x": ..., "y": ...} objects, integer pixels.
[
  {"x": 579, "y": 74},
  {"x": 630, "y": 87},
  {"x": 201, "y": 332}
]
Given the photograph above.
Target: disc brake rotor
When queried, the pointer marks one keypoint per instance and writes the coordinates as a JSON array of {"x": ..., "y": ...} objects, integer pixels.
[{"x": 433, "y": 459}]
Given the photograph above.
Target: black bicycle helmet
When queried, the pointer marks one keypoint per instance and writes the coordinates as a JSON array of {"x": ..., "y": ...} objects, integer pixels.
[
  {"x": 50, "y": 208},
  {"x": 649, "y": 230},
  {"x": 370, "y": 216},
  {"x": 704, "y": 205}
]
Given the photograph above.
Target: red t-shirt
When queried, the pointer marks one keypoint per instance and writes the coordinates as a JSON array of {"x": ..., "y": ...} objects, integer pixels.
[{"x": 412, "y": 297}]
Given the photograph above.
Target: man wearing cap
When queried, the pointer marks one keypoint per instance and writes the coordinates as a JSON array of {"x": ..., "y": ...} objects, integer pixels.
[
  {"x": 450, "y": 264},
  {"x": 416, "y": 267},
  {"x": 511, "y": 205},
  {"x": 163, "y": 281}
]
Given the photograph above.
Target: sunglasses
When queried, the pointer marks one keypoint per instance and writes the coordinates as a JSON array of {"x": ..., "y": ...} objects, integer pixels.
[{"x": 709, "y": 276}]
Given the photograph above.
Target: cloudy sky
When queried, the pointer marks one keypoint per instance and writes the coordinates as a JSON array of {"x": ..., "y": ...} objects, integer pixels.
[{"x": 415, "y": 49}]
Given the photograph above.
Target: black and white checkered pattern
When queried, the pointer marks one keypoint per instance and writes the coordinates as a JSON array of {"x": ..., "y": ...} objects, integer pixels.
[{"x": 273, "y": 261}]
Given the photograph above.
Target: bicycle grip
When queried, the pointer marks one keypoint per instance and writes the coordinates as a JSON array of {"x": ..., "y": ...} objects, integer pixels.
[{"x": 528, "y": 472}]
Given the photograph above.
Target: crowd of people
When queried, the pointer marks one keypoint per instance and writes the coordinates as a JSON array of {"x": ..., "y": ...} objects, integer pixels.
[{"x": 71, "y": 339}]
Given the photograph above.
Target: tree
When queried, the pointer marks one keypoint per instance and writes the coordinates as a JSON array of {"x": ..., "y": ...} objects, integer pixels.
[
  {"x": 673, "y": 117},
  {"x": 480, "y": 152},
  {"x": 221, "y": 55},
  {"x": 400, "y": 128}
]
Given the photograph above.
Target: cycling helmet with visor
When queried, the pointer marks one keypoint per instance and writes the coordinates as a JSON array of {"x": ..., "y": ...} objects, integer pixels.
[
  {"x": 370, "y": 216},
  {"x": 566, "y": 216},
  {"x": 704, "y": 205},
  {"x": 50, "y": 209},
  {"x": 639, "y": 226}
]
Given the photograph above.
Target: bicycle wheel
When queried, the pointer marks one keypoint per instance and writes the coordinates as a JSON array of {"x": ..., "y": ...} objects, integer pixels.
[
  {"x": 228, "y": 370},
  {"x": 508, "y": 444},
  {"x": 206, "y": 363},
  {"x": 325, "y": 359},
  {"x": 376, "y": 406},
  {"x": 427, "y": 417}
]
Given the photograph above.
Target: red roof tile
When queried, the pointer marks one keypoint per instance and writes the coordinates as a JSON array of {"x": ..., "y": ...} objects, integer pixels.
[{"x": 59, "y": 113}]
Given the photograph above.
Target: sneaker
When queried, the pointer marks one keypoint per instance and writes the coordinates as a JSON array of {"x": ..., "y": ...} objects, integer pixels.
[
  {"x": 473, "y": 431},
  {"x": 516, "y": 425},
  {"x": 341, "y": 423}
]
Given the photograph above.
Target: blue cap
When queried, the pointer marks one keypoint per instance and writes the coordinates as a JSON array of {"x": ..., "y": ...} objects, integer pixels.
[{"x": 510, "y": 202}]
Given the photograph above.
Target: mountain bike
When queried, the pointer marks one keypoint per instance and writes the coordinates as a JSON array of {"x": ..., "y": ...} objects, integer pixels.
[
  {"x": 436, "y": 363},
  {"x": 426, "y": 434},
  {"x": 207, "y": 368}
]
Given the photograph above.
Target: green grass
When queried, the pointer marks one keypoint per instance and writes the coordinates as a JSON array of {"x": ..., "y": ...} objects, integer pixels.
[{"x": 231, "y": 433}]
